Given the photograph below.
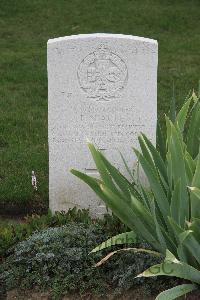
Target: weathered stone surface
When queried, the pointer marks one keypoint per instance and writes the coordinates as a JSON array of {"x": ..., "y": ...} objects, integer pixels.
[{"x": 102, "y": 87}]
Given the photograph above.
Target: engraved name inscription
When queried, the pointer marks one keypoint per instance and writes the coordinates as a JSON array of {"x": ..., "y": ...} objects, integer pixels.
[{"x": 102, "y": 74}]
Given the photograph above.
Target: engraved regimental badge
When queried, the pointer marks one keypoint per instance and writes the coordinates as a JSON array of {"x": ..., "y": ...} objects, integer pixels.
[{"x": 102, "y": 74}]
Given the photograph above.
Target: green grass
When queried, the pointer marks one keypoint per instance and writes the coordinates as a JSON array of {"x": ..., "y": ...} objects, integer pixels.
[
  {"x": 25, "y": 27},
  {"x": 4, "y": 222}
]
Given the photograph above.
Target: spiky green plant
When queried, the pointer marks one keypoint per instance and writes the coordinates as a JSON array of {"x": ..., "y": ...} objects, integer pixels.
[{"x": 167, "y": 213}]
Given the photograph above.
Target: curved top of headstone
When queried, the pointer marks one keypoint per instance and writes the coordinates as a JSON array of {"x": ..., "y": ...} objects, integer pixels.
[{"x": 103, "y": 35}]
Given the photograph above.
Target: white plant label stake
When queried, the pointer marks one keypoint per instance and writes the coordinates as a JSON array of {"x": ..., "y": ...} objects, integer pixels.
[{"x": 34, "y": 181}]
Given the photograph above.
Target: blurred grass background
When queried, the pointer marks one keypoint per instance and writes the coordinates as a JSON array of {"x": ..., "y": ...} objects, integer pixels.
[{"x": 25, "y": 27}]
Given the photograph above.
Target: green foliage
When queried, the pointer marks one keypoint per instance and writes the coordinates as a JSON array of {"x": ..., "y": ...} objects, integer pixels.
[
  {"x": 167, "y": 214},
  {"x": 176, "y": 292},
  {"x": 14, "y": 233},
  {"x": 119, "y": 239},
  {"x": 57, "y": 259}
]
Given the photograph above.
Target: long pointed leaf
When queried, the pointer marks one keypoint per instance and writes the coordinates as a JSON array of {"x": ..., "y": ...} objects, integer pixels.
[
  {"x": 176, "y": 292},
  {"x": 193, "y": 133},
  {"x": 182, "y": 115},
  {"x": 173, "y": 267},
  {"x": 175, "y": 147},
  {"x": 120, "y": 239},
  {"x": 195, "y": 200},
  {"x": 175, "y": 203},
  {"x": 188, "y": 240},
  {"x": 103, "y": 260},
  {"x": 153, "y": 178},
  {"x": 106, "y": 178},
  {"x": 127, "y": 168},
  {"x": 128, "y": 215},
  {"x": 160, "y": 141},
  {"x": 121, "y": 181},
  {"x": 157, "y": 158}
]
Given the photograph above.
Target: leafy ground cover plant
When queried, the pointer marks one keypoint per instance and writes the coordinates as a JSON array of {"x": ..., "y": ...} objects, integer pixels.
[
  {"x": 56, "y": 260},
  {"x": 167, "y": 213},
  {"x": 11, "y": 234}
]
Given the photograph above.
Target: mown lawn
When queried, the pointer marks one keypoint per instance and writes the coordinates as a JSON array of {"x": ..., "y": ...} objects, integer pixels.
[{"x": 25, "y": 27}]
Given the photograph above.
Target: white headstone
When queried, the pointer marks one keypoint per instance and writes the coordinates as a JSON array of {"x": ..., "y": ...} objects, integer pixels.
[{"x": 101, "y": 87}]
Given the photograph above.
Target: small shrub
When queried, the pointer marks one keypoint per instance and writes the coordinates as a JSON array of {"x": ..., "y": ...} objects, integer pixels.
[
  {"x": 57, "y": 259},
  {"x": 10, "y": 235}
]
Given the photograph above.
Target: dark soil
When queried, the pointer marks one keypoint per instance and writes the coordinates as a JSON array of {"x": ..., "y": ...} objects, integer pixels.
[
  {"x": 136, "y": 294},
  {"x": 36, "y": 295},
  {"x": 11, "y": 209}
]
